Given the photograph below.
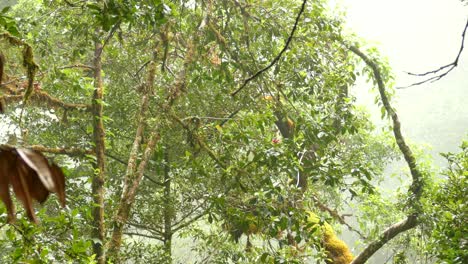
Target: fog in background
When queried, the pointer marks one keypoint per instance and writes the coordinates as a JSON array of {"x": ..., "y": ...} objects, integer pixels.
[
  {"x": 415, "y": 36},
  {"x": 419, "y": 36}
]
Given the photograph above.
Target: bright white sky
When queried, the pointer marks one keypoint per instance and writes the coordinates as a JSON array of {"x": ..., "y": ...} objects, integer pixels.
[
  {"x": 414, "y": 34},
  {"x": 419, "y": 36}
]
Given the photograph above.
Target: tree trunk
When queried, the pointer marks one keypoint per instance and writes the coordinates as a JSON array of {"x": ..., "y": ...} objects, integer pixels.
[
  {"x": 168, "y": 209},
  {"x": 134, "y": 173},
  {"x": 99, "y": 166}
]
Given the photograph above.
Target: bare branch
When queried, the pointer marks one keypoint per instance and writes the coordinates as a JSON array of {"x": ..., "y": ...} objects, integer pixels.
[
  {"x": 145, "y": 227},
  {"x": 144, "y": 235},
  {"x": 276, "y": 59},
  {"x": 189, "y": 222},
  {"x": 442, "y": 71},
  {"x": 119, "y": 160}
]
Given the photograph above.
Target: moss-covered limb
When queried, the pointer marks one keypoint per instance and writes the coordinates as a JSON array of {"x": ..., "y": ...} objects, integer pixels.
[
  {"x": 75, "y": 152},
  {"x": 41, "y": 99},
  {"x": 417, "y": 179},
  {"x": 99, "y": 177},
  {"x": 31, "y": 69},
  {"x": 28, "y": 60},
  {"x": 2, "y": 67},
  {"x": 134, "y": 174},
  {"x": 337, "y": 250},
  {"x": 128, "y": 199}
]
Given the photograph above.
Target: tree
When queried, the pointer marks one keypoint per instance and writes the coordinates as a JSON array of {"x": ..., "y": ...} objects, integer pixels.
[{"x": 224, "y": 121}]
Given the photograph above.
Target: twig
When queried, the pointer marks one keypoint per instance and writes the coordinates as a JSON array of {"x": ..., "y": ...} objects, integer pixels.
[
  {"x": 276, "y": 59},
  {"x": 144, "y": 235},
  {"x": 77, "y": 66},
  {"x": 335, "y": 215},
  {"x": 119, "y": 160},
  {"x": 440, "y": 74}
]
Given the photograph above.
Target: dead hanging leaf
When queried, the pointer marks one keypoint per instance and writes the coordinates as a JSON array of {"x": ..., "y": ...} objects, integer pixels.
[
  {"x": 40, "y": 165},
  {"x": 32, "y": 178}
]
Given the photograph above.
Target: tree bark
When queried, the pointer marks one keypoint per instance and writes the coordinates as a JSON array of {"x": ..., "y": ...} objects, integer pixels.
[
  {"x": 133, "y": 174},
  {"x": 392, "y": 231},
  {"x": 168, "y": 209},
  {"x": 127, "y": 200},
  {"x": 97, "y": 187},
  {"x": 132, "y": 177}
]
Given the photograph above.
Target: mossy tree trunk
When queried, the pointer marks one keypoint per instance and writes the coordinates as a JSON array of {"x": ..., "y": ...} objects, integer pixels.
[{"x": 99, "y": 165}]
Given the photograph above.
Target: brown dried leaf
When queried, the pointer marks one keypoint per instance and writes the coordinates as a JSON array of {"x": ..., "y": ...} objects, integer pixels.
[
  {"x": 38, "y": 163},
  {"x": 32, "y": 178}
]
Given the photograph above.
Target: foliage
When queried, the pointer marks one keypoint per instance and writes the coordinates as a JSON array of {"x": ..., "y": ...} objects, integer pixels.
[
  {"x": 445, "y": 224},
  {"x": 238, "y": 175}
]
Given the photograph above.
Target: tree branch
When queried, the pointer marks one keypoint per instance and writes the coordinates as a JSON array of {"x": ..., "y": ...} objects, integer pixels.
[
  {"x": 119, "y": 160},
  {"x": 82, "y": 66},
  {"x": 417, "y": 179},
  {"x": 440, "y": 73},
  {"x": 392, "y": 231},
  {"x": 276, "y": 59},
  {"x": 198, "y": 140},
  {"x": 144, "y": 235},
  {"x": 61, "y": 151},
  {"x": 41, "y": 98},
  {"x": 134, "y": 172},
  {"x": 145, "y": 227},
  {"x": 189, "y": 222},
  {"x": 336, "y": 216}
]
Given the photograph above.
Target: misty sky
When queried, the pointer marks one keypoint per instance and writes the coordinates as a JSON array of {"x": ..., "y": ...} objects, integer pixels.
[{"x": 419, "y": 36}]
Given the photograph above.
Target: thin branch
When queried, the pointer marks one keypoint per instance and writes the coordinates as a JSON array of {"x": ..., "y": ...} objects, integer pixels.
[
  {"x": 145, "y": 227},
  {"x": 336, "y": 216},
  {"x": 109, "y": 36},
  {"x": 189, "y": 222},
  {"x": 87, "y": 67},
  {"x": 200, "y": 142},
  {"x": 141, "y": 68},
  {"x": 144, "y": 235},
  {"x": 440, "y": 72},
  {"x": 276, "y": 59},
  {"x": 185, "y": 216},
  {"x": 119, "y": 160}
]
